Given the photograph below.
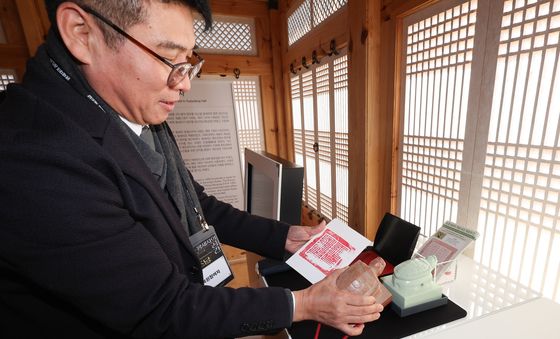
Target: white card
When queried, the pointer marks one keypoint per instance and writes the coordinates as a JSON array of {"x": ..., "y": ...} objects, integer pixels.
[
  {"x": 216, "y": 273},
  {"x": 336, "y": 247}
]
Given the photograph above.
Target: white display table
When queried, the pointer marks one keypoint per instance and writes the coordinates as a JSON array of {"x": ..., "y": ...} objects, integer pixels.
[
  {"x": 493, "y": 303},
  {"x": 497, "y": 307},
  {"x": 535, "y": 318}
]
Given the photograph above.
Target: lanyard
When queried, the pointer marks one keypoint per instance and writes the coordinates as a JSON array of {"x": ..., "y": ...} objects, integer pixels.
[
  {"x": 199, "y": 215},
  {"x": 201, "y": 219},
  {"x": 66, "y": 77}
]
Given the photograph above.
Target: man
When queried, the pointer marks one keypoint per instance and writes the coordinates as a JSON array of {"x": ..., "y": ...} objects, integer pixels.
[{"x": 97, "y": 219}]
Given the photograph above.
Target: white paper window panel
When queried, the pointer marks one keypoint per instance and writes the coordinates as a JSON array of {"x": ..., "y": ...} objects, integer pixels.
[
  {"x": 519, "y": 216},
  {"x": 508, "y": 188},
  {"x": 7, "y": 76},
  {"x": 246, "y": 98},
  {"x": 322, "y": 9},
  {"x": 437, "y": 74},
  {"x": 229, "y": 35},
  {"x": 299, "y": 22},
  {"x": 320, "y": 116},
  {"x": 248, "y": 113},
  {"x": 308, "y": 15}
]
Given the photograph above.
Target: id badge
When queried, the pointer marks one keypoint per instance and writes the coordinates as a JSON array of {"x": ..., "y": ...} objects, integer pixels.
[{"x": 215, "y": 267}]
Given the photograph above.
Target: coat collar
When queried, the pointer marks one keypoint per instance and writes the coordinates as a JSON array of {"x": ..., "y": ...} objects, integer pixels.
[{"x": 43, "y": 82}]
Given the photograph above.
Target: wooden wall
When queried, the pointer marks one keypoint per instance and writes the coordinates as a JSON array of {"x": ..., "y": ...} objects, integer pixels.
[
  {"x": 369, "y": 31},
  {"x": 266, "y": 65},
  {"x": 263, "y": 65},
  {"x": 21, "y": 40}
]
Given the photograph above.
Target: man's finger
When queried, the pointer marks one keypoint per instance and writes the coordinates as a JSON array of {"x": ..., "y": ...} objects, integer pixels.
[{"x": 352, "y": 329}]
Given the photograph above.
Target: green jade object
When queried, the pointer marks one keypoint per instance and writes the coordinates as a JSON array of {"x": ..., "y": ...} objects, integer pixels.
[{"x": 413, "y": 283}]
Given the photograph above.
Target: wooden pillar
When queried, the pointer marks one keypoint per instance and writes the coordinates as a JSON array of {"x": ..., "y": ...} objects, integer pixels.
[
  {"x": 370, "y": 128},
  {"x": 31, "y": 16},
  {"x": 283, "y": 120}
]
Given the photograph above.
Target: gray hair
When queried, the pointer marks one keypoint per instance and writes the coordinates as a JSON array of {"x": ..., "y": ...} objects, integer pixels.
[{"x": 127, "y": 13}]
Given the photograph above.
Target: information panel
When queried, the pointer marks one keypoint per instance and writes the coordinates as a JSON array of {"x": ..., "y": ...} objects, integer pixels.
[{"x": 203, "y": 123}]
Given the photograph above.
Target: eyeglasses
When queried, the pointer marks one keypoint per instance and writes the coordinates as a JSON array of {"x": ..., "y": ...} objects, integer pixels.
[{"x": 178, "y": 71}]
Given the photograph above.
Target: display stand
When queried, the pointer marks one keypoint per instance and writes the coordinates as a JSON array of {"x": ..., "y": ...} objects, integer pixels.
[{"x": 390, "y": 325}]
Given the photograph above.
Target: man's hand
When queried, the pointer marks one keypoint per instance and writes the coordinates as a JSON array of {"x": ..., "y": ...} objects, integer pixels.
[
  {"x": 299, "y": 235},
  {"x": 325, "y": 303}
]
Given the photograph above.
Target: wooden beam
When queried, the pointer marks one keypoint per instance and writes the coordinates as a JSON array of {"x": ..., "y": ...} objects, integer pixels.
[
  {"x": 13, "y": 51},
  {"x": 392, "y": 35},
  {"x": 286, "y": 99},
  {"x": 248, "y": 8},
  {"x": 225, "y": 64},
  {"x": 358, "y": 119},
  {"x": 394, "y": 8},
  {"x": 370, "y": 146},
  {"x": 269, "y": 106},
  {"x": 11, "y": 23},
  {"x": 270, "y": 123},
  {"x": 32, "y": 25},
  {"x": 284, "y": 130},
  {"x": 40, "y": 5}
]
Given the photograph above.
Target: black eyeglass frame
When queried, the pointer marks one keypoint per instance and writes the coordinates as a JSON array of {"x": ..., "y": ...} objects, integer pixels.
[{"x": 176, "y": 75}]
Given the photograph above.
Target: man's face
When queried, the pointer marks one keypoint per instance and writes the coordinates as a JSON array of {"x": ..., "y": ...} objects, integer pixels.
[{"x": 134, "y": 82}]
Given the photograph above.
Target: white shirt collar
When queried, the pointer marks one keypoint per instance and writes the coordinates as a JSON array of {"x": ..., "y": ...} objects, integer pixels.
[{"x": 136, "y": 128}]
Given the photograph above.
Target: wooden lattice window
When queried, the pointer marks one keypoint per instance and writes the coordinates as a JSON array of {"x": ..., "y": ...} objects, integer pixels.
[
  {"x": 481, "y": 131},
  {"x": 229, "y": 35},
  {"x": 246, "y": 99},
  {"x": 320, "y": 126},
  {"x": 7, "y": 76},
  {"x": 299, "y": 22},
  {"x": 322, "y": 9},
  {"x": 438, "y": 64},
  {"x": 309, "y": 14}
]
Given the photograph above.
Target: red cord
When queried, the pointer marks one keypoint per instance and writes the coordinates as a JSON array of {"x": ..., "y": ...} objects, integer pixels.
[{"x": 317, "y": 331}]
